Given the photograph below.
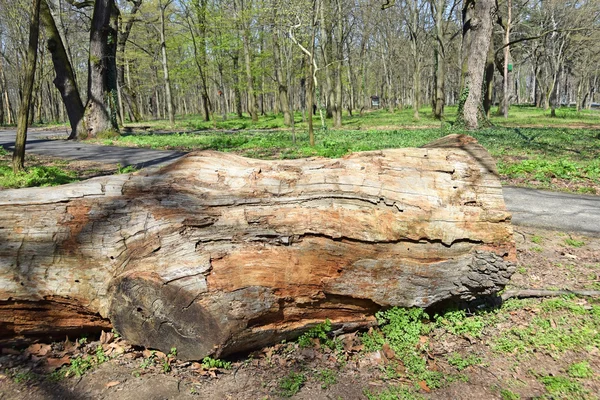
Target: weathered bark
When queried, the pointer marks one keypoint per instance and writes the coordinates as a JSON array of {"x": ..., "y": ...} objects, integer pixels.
[
  {"x": 245, "y": 32},
  {"x": 236, "y": 83},
  {"x": 1, "y": 97},
  {"x": 165, "y": 62},
  {"x": 339, "y": 38},
  {"x": 64, "y": 80},
  {"x": 129, "y": 95},
  {"x": 281, "y": 77},
  {"x": 477, "y": 31},
  {"x": 18, "y": 159},
  {"x": 217, "y": 253},
  {"x": 101, "y": 107}
]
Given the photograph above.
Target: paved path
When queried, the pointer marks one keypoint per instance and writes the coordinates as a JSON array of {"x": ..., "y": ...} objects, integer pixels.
[
  {"x": 38, "y": 143},
  {"x": 536, "y": 208}
]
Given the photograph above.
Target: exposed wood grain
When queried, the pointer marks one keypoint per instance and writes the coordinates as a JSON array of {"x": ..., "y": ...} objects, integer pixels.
[{"x": 217, "y": 253}]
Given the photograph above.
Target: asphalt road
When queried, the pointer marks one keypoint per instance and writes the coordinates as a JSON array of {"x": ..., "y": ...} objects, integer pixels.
[
  {"x": 535, "y": 208},
  {"x": 39, "y": 142}
]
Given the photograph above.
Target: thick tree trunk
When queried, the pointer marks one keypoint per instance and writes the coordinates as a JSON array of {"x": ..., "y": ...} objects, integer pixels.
[
  {"x": 65, "y": 79},
  {"x": 217, "y": 253},
  {"x": 101, "y": 107},
  {"x": 18, "y": 159},
  {"x": 165, "y": 63},
  {"x": 477, "y": 32}
]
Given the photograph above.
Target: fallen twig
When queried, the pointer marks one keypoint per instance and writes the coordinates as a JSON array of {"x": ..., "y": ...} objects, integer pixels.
[{"x": 528, "y": 293}]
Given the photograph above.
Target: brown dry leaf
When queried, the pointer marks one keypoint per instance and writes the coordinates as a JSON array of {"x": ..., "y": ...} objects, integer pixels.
[
  {"x": 106, "y": 337},
  {"x": 424, "y": 386},
  {"x": 147, "y": 353},
  {"x": 423, "y": 339},
  {"x": 388, "y": 352},
  {"x": 357, "y": 348},
  {"x": 195, "y": 366},
  {"x": 70, "y": 347},
  {"x": 55, "y": 363},
  {"x": 38, "y": 349},
  {"x": 111, "y": 384},
  {"x": 114, "y": 348},
  {"x": 160, "y": 355}
]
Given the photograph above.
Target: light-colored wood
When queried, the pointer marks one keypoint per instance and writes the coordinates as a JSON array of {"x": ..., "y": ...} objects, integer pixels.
[{"x": 217, "y": 253}]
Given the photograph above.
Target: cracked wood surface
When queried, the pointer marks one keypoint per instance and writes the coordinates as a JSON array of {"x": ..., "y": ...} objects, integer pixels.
[{"x": 217, "y": 254}]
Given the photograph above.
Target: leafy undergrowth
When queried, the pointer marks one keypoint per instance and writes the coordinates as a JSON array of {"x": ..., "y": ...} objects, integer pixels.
[
  {"x": 553, "y": 158},
  {"x": 49, "y": 171},
  {"x": 536, "y": 348}
]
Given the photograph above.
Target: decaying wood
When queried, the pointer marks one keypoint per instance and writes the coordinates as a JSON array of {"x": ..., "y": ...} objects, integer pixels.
[{"x": 217, "y": 253}]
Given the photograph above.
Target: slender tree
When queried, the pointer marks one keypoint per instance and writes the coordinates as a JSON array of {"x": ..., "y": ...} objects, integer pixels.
[
  {"x": 23, "y": 117},
  {"x": 64, "y": 79}
]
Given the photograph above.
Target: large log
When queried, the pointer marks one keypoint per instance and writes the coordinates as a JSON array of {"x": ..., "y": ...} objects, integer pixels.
[{"x": 217, "y": 254}]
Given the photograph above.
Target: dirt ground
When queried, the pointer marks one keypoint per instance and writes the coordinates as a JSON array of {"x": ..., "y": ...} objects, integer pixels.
[{"x": 546, "y": 259}]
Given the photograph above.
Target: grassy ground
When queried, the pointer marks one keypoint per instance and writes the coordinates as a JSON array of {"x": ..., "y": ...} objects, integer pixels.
[
  {"x": 531, "y": 148},
  {"x": 524, "y": 349},
  {"x": 49, "y": 171}
]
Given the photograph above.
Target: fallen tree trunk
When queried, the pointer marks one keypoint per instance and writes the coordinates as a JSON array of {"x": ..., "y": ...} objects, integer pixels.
[{"x": 217, "y": 254}]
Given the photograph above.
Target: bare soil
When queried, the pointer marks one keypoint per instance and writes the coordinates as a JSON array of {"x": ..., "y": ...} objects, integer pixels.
[{"x": 546, "y": 259}]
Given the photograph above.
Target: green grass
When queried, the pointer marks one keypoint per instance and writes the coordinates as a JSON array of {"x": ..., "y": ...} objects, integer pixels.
[
  {"x": 507, "y": 394},
  {"x": 580, "y": 370},
  {"x": 401, "y": 329},
  {"x": 393, "y": 393},
  {"x": 560, "y": 387},
  {"x": 209, "y": 362},
  {"x": 291, "y": 383},
  {"x": 35, "y": 176},
  {"x": 460, "y": 362},
  {"x": 561, "y": 325},
  {"x": 538, "y": 154},
  {"x": 327, "y": 377},
  {"x": 574, "y": 242}
]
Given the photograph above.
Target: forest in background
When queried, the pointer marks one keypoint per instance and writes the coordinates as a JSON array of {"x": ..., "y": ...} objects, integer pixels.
[{"x": 254, "y": 56}]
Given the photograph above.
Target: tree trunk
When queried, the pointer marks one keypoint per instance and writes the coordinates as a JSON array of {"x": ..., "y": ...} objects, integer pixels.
[
  {"x": 252, "y": 101},
  {"x": 65, "y": 79},
  {"x": 236, "y": 84},
  {"x": 128, "y": 93},
  {"x": 488, "y": 80},
  {"x": 1, "y": 97},
  {"x": 18, "y": 159},
  {"x": 281, "y": 77},
  {"x": 505, "y": 86},
  {"x": 165, "y": 63},
  {"x": 337, "y": 106},
  {"x": 101, "y": 108},
  {"x": 477, "y": 32},
  {"x": 218, "y": 254}
]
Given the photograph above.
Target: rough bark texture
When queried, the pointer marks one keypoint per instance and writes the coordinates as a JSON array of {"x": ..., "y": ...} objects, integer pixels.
[
  {"x": 478, "y": 17},
  {"x": 101, "y": 107},
  {"x": 217, "y": 253},
  {"x": 18, "y": 159},
  {"x": 64, "y": 80}
]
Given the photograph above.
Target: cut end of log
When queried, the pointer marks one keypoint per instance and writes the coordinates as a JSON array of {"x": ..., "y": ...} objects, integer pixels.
[{"x": 217, "y": 254}]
